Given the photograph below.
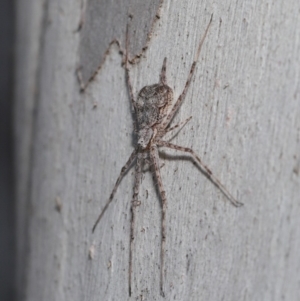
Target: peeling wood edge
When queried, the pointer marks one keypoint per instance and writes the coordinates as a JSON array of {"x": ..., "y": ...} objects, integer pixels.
[{"x": 84, "y": 85}]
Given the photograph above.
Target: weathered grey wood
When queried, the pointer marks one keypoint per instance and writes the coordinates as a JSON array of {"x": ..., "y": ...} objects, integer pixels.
[{"x": 245, "y": 103}]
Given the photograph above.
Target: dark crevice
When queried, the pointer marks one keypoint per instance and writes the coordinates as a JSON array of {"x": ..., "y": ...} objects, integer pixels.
[{"x": 33, "y": 133}]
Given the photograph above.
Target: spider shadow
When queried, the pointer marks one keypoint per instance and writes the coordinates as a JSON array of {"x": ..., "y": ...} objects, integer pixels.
[{"x": 164, "y": 155}]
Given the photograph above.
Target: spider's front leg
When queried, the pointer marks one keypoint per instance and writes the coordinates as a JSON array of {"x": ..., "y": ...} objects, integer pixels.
[
  {"x": 181, "y": 125},
  {"x": 188, "y": 81}
]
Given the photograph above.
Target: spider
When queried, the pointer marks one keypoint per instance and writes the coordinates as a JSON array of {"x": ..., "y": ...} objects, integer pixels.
[{"x": 154, "y": 112}]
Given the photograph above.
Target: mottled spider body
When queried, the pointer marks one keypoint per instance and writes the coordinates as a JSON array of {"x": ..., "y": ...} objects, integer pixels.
[{"x": 154, "y": 111}]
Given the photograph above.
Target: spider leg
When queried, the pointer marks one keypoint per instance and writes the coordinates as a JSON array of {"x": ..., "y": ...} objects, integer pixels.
[
  {"x": 188, "y": 81},
  {"x": 128, "y": 80},
  {"x": 134, "y": 204},
  {"x": 181, "y": 125},
  {"x": 122, "y": 173},
  {"x": 155, "y": 160},
  {"x": 163, "y": 77},
  {"x": 207, "y": 171}
]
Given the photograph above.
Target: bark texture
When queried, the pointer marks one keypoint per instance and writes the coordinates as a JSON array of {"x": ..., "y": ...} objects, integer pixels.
[{"x": 70, "y": 147}]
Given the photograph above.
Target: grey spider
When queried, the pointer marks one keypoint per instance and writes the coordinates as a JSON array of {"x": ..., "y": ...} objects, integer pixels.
[{"x": 153, "y": 118}]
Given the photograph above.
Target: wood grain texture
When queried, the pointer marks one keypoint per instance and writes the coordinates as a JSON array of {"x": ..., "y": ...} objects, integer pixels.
[{"x": 245, "y": 103}]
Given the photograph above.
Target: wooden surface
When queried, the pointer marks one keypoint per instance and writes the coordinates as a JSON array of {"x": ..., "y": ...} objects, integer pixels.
[{"x": 245, "y": 103}]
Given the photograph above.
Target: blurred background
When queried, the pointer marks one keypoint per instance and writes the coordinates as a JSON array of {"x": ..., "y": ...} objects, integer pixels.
[{"x": 7, "y": 229}]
